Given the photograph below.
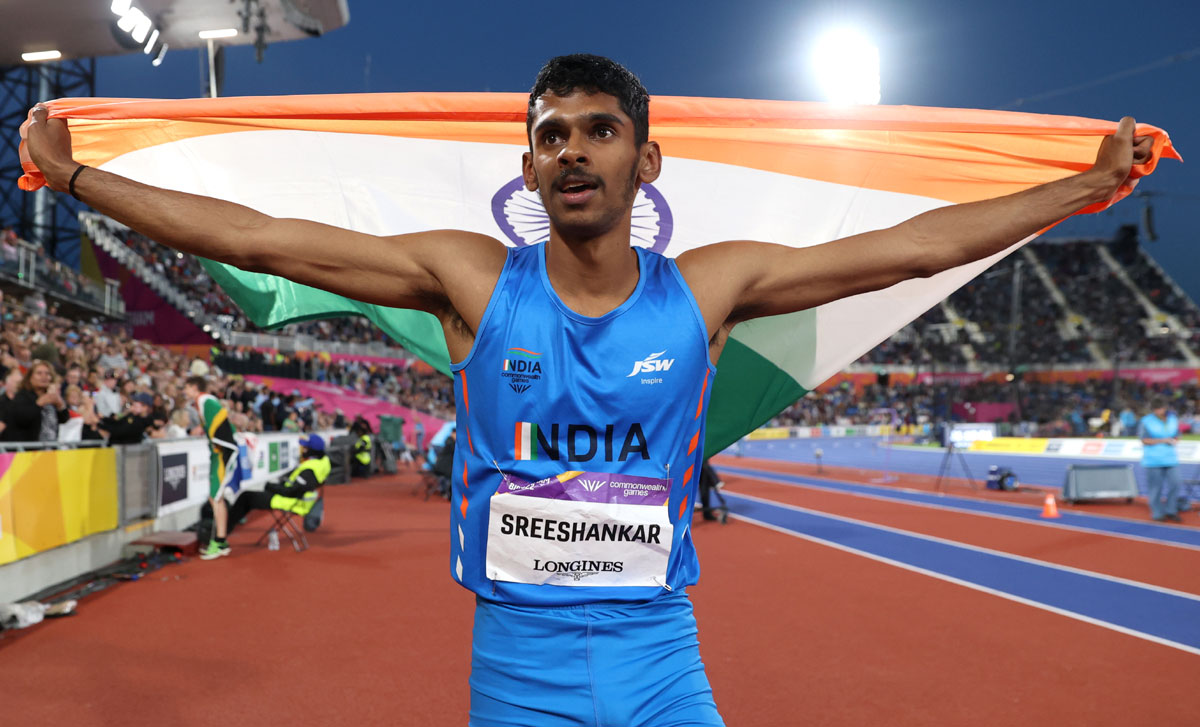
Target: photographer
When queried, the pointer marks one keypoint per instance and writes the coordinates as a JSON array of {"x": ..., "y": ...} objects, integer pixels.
[{"x": 130, "y": 427}]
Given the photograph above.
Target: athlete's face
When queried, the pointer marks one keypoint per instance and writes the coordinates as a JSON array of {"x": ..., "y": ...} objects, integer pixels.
[
  {"x": 585, "y": 164},
  {"x": 190, "y": 391}
]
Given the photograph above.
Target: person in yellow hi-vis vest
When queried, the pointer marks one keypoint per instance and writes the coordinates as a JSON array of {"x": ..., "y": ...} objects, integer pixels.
[
  {"x": 296, "y": 492},
  {"x": 361, "y": 466}
]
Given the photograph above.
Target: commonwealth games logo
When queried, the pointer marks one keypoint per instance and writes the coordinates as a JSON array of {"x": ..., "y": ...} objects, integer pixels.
[{"x": 521, "y": 215}]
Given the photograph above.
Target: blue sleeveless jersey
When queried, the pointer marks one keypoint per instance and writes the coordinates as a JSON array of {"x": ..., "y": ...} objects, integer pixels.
[{"x": 580, "y": 441}]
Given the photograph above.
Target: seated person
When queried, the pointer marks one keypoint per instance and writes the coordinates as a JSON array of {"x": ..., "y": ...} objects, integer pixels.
[{"x": 295, "y": 493}]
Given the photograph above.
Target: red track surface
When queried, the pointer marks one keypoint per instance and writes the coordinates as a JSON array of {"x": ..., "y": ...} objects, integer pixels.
[{"x": 368, "y": 628}]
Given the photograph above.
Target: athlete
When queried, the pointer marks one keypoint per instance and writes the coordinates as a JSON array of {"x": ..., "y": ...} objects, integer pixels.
[
  {"x": 582, "y": 371},
  {"x": 224, "y": 474}
]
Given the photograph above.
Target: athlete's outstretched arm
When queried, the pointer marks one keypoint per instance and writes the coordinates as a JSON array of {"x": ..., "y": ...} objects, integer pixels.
[
  {"x": 443, "y": 272},
  {"x": 736, "y": 281}
]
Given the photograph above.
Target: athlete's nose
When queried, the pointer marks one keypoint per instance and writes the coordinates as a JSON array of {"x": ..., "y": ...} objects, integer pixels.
[{"x": 572, "y": 153}]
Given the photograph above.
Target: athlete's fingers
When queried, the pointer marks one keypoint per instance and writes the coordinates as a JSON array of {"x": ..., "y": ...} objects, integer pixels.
[{"x": 1143, "y": 149}]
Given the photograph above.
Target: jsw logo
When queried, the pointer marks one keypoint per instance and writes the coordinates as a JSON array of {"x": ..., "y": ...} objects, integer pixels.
[{"x": 651, "y": 363}]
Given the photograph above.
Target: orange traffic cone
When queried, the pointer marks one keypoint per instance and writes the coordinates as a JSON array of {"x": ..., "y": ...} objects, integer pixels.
[{"x": 1050, "y": 507}]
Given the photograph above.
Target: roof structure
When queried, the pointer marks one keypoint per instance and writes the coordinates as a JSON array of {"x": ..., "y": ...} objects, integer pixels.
[{"x": 85, "y": 28}]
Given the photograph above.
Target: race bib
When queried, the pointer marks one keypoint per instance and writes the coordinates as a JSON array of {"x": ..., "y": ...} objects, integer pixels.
[{"x": 580, "y": 529}]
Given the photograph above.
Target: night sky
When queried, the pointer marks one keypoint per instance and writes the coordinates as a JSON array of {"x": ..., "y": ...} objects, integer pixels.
[{"x": 950, "y": 54}]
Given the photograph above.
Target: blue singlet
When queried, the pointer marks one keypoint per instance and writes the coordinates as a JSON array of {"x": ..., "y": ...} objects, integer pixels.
[{"x": 580, "y": 441}]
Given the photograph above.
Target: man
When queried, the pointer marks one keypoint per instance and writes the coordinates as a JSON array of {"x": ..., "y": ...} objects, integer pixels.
[
  {"x": 297, "y": 492},
  {"x": 74, "y": 377},
  {"x": 361, "y": 466},
  {"x": 224, "y": 474},
  {"x": 555, "y": 647},
  {"x": 131, "y": 427},
  {"x": 1159, "y": 432},
  {"x": 112, "y": 358}
]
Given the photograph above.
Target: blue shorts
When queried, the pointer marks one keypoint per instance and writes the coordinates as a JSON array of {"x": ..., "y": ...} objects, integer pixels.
[{"x": 598, "y": 665}]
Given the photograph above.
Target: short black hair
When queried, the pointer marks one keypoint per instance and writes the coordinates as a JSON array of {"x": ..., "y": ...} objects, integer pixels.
[
  {"x": 594, "y": 74},
  {"x": 199, "y": 382}
]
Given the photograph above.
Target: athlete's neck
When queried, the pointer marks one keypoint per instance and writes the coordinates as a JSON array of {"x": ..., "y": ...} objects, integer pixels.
[{"x": 593, "y": 277}]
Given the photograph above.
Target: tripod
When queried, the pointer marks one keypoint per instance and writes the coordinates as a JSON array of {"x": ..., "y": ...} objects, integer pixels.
[{"x": 946, "y": 463}]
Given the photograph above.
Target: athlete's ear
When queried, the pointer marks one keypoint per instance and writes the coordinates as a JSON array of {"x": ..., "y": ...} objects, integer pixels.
[
  {"x": 651, "y": 164},
  {"x": 527, "y": 172}
]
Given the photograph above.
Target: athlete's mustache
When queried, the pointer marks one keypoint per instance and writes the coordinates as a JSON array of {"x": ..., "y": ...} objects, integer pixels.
[{"x": 570, "y": 177}]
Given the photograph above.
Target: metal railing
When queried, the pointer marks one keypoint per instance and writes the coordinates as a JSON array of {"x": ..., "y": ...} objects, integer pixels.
[
  {"x": 138, "y": 482},
  {"x": 42, "y": 446},
  {"x": 293, "y": 344},
  {"x": 25, "y": 265}
]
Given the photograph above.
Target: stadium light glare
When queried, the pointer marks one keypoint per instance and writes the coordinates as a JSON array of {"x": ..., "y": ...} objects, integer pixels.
[
  {"x": 158, "y": 59},
  {"x": 120, "y": 7},
  {"x": 846, "y": 65},
  {"x": 131, "y": 19},
  {"x": 220, "y": 33},
  {"x": 41, "y": 55},
  {"x": 150, "y": 43}
]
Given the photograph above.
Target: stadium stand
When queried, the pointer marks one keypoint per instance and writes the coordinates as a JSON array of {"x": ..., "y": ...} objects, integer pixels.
[
  {"x": 185, "y": 284},
  {"x": 1082, "y": 303}
]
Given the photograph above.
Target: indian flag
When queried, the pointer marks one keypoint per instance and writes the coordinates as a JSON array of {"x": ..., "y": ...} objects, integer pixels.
[
  {"x": 798, "y": 174},
  {"x": 525, "y": 443}
]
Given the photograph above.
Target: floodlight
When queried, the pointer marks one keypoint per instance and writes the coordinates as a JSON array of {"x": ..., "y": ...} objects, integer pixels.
[
  {"x": 150, "y": 43},
  {"x": 221, "y": 33},
  {"x": 158, "y": 59},
  {"x": 41, "y": 55},
  {"x": 120, "y": 7},
  {"x": 131, "y": 19},
  {"x": 846, "y": 65}
]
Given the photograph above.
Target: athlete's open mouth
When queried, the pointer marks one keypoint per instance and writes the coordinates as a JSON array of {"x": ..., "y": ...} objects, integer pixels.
[
  {"x": 577, "y": 187},
  {"x": 577, "y": 190}
]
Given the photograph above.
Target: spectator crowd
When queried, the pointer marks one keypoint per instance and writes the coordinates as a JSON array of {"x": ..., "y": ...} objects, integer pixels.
[
  {"x": 1083, "y": 408},
  {"x": 71, "y": 381}
]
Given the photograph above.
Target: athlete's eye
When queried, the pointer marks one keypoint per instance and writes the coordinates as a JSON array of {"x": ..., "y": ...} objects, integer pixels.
[
  {"x": 551, "y": 137},
  {"x": 604, "y": 131}
]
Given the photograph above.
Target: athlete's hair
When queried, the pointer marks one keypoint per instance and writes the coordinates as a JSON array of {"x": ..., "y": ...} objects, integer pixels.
[
  {"x": 594, "y": 74},
  {"x": 199, "y": 382}
]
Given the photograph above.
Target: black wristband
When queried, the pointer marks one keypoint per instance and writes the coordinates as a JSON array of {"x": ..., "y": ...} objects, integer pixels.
[{"x": 71, "y": 186}]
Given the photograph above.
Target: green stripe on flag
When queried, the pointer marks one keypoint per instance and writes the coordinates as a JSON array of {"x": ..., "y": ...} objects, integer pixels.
[
  {"x": 271, "y": 302},
  {"x": 748, "y": 391}
]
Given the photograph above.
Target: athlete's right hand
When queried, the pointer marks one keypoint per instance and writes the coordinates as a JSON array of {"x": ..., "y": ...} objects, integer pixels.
[{"x": 49, "y": 146}]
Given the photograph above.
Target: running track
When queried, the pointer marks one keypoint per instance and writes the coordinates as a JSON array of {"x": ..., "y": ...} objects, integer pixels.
[{"x": 843, "y": 608}]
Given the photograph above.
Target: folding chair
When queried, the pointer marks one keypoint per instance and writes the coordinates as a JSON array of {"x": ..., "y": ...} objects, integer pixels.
[{"x": 283, "y": 522}]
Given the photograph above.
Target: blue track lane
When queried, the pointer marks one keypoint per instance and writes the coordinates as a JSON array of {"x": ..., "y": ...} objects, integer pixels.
[
  {"x": 1164, "y": 617},
  {"x": 1165, "y": 534}
]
